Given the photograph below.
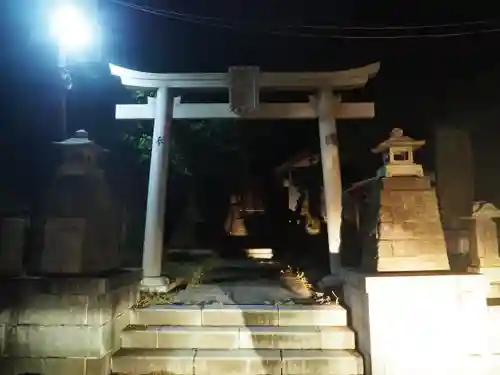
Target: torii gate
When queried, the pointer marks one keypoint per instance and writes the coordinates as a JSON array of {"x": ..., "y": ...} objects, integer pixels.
[{"x": 244, "y": 85}]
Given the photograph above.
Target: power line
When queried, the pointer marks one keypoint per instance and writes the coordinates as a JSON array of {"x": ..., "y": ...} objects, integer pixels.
[
  {"x": 319, "y": 27},
  {"x": 220, "y": 23}
]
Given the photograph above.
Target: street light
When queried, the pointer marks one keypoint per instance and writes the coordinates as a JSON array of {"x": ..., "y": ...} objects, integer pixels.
[{"x": 73, "y": 28}]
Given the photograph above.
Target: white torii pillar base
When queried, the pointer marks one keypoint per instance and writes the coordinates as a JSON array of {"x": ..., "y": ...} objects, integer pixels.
[
  {"x": 157, "y": 190},
  {"x": 331, "y": 181}
]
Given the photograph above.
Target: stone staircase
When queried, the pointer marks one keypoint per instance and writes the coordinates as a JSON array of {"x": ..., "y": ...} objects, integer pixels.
[{"x": 237, "y": 340}]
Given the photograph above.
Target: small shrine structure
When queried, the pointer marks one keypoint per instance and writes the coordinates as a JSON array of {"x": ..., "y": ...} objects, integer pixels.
[{"x": 243, "y": 85}]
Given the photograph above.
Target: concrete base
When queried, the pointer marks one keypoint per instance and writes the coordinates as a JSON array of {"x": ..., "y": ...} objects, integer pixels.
[
  {"x": 154, "y": 284},
  {"x": 420, "y": 323},
  {"x": 61, "y": 326}
]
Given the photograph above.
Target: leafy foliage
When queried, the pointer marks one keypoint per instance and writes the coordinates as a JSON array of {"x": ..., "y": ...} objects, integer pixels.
[{"x": 195, "y": 148}]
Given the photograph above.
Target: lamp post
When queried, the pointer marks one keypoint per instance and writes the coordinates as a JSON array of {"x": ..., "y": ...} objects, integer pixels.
[{"x": 73, "y": 30}]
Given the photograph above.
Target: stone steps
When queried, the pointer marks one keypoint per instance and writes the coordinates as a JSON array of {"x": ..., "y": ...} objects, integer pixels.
[
  {"x": 238, "y": 362},
  {"x": 238, "y": 340},
  {"x": 241, "y": 315},
  {"x": 231, "y": 338}
]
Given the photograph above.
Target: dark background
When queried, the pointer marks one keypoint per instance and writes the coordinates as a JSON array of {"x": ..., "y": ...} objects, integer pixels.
[{"x": 423, "y": 81}]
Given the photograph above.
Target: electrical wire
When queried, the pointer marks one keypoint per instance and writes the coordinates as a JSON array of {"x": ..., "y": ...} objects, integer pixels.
[{"x": 220, "y": 23}]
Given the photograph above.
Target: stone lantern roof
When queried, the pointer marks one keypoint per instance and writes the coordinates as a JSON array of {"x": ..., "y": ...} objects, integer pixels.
[
  {"x": 398, "y": 139},
  {"x": 397, "y": 152},
  {"x": 81, "y": 138}
]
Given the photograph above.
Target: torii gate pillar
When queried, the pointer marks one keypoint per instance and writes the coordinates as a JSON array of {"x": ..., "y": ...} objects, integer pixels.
[
  {"x": 157, "y": 191},
  {"x": 332, "y": 184}
]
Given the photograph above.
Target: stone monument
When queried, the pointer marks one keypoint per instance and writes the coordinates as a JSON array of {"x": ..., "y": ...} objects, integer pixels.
[
  {"x": 81, "y": 233},
  {"x": 400, "y": 223},
  {"x": 484, "y": 250}
]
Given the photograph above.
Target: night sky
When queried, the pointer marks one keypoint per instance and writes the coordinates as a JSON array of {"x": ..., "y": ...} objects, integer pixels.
[{"x": 411, "y": 69}]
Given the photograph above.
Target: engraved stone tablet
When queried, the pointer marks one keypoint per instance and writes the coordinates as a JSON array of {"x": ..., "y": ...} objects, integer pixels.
[{"x": 243, "y": 89}]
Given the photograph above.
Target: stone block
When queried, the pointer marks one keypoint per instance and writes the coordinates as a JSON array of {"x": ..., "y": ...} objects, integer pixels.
[
  {"x": 420, "y": 314},
  {"x": 282, "y": 338},
  {"x": 62, "y": 341},
  {"x": 198, "y": 337},
  {"x": 55, "y": 366},
  {"x": 237, "y": 362},
  {"x": 240, "y": 315},
  {"x": 12, "y": 240},
  {"x": 146, "y": 361},
  {"x": 313, "y": 362},
  {"x": 53, "y": 309},
  {"x": 174, "y": 315},
  {"x": 142, "y": 337},
  {"x": 411, "y": 264},
  {"x": 406, "y": 183},
  {"x": 48, "y": 333},
  {"x": 316, "y": 315}
]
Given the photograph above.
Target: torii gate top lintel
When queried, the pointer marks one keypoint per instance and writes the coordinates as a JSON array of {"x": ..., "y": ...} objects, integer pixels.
[{"x": 337, "y": 80}]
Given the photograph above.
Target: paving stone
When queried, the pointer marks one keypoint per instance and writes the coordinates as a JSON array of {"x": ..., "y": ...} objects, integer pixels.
[
  {"x": 175, "y": 315},
  {"x": 240, "y": 315},
  {"x": 237, "y": 362},
  {"x": 315, "y": 315},
  {"x": 145, "y": 361},
  {"x": 314, "y": 362}
]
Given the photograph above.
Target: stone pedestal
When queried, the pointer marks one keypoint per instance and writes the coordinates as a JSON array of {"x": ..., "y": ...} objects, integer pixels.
[
  {"x": 12, "y": 240},
  {"x": 420, "y": 323},
  {"x": 61, "y": 326},
  {"x": 400, "y": 226},
  {"x": 484, "y": 250}
]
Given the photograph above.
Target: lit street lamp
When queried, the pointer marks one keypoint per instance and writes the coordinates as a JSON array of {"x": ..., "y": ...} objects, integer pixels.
[{"x": 74, "y": 30}]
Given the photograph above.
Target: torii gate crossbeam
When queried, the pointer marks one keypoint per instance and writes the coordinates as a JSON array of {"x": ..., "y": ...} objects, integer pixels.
[{"x": 325, "y": 105}]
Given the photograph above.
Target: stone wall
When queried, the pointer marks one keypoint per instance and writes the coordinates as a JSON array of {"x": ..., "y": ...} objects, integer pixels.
[
  {"x": 399, "y": 225},
  {"x": 64, "y": 326}
]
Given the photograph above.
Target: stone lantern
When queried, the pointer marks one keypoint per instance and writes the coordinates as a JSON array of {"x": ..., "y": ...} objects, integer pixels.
[
  {"x": 399, "y": 223},
  {"x": 80, "y": 155},
  {"x": 81, "y": 233},
  {"x": 397, "y": 152}
]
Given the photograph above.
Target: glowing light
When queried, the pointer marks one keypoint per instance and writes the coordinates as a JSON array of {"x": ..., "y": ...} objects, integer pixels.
[{"x": 71, "y": 28}]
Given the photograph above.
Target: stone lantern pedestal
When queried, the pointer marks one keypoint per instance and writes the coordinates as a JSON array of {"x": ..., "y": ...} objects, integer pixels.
[
  {"x": 81, "y": 233},
  {"x": 484, "y": 250}
]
